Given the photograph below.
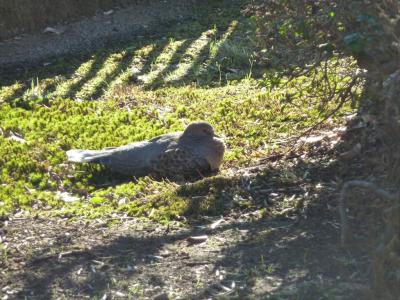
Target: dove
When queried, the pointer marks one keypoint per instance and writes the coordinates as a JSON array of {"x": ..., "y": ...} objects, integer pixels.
[{"x": 195, "y": 151}]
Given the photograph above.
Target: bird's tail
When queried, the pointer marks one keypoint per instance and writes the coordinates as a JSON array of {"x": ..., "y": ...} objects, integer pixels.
[{"x": 85, "y": 156}]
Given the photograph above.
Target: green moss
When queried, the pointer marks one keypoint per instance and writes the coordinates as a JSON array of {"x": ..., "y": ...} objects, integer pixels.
[{"x": 145, "y": 89}]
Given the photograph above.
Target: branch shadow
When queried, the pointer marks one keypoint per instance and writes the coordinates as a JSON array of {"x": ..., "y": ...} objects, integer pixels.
[
  {"x": 96, "y": 66},
  {"x": 68, "y": 66},
  {"x": 172, "y": 65}
]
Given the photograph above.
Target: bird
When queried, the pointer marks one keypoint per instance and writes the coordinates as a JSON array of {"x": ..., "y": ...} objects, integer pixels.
[{"x": 197, "y": 151}]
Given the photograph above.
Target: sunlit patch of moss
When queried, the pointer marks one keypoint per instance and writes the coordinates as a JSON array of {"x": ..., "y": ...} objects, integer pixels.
[
  {"x": 163, "y": 61},
  {"x": 39, "y": 163},
  {"x": 201, "y": 71},
  {"x": 66, "y": 87},
  {"x": 171, "y": 202},
  {"x": 104, "y": 75},
  {"x": 146, "y": 50},
  {"x": 191, "y": 57},
  {"x": 162, "y": 208},
  {"x": 252, "y": 119},
  {"x": 8, "y": 92}
]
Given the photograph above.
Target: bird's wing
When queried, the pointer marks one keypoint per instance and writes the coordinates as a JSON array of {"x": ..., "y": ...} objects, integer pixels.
[
  {"x": 133, "y": 159},
  {"x": 165, "y": 137},
  {"x": 179, "y": 162}
]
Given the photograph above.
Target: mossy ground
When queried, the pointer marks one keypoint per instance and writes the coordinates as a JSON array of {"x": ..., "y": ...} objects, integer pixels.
[{"x": 206, "y": 71}]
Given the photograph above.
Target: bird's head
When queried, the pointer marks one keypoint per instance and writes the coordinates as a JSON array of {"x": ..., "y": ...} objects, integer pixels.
[{"x": 199, "y": 130}]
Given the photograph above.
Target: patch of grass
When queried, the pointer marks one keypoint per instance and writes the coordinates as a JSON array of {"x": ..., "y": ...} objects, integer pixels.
[
  {"x": 146, "y": 89},
  {"x": 253, "y": 120}
]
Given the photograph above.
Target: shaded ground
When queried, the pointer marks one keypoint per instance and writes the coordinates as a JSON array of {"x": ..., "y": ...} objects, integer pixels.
[
  {"x": 25, "y": 16},
  {"x": 92, "y": 33},
  {"x": 241, "y": 258}
]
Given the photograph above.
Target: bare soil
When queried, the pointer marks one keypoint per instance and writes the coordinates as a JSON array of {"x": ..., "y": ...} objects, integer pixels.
[
  {"x": 27, "y": 16},
  {"x": 91, "y": 33},
  {"x": 268, "y": 259}
]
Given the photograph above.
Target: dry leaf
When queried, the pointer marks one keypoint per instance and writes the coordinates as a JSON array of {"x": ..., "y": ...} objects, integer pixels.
[
  {"x": 197, "y": 239},
  {"x": 312, "y": 139},
  {"x": 216, "y": 223},
  {"x": 120, "y": 294},
  {"x": 52, "y": 30},
  {"x": 108, "y": 12},
  {"x": 66, "y": 197},
  {"x": 16, "y": 138}
]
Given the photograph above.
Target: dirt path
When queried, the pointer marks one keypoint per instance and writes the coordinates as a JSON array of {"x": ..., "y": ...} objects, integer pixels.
[{"x": 92, "y": 33}]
